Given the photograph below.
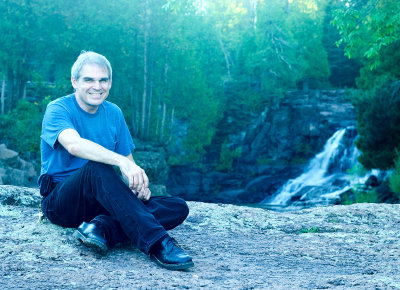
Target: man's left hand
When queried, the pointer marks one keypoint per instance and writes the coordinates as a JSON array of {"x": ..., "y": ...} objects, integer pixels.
[{"x": 143, "y": 194}]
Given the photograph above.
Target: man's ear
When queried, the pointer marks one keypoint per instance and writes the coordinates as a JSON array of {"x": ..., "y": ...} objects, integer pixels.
[{"x": 73, "y": 82}]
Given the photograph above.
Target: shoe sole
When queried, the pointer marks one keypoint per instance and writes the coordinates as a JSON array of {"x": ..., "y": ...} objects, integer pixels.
[
  {"x": 180, "y": 266},
  {"x": 93, "y": 244}
]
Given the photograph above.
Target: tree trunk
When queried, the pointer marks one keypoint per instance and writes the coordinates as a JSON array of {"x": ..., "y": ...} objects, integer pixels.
[
  {"x": 10, "y": 90},
  {"x": 134, "y": 93},
  {"x": 171, "y": 124},
  {"x": 228, "y": 65},
  {"x": 132, "y": 99},
  {"x": 172, "y": 117},
  {"x": 163, "y": 122},
  {"x": 24, "y": 91},
  {"x": 3, "y": 91},
  {"x": 165, "y": 91},
  {"x": 158, "y": 118},
  {"x": 254, "y": 4},
  {"x": 149, "y": 102},
  {"x": 144, "y": 97}
]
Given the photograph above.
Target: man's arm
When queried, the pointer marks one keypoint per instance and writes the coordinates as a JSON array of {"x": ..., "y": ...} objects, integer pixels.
[{"x": 86, "y": 149}]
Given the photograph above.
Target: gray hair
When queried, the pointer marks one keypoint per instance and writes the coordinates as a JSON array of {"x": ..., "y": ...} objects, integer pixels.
[{"x": 90, "y": 57}]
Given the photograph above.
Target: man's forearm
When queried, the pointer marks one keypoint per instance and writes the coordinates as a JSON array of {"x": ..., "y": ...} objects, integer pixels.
[{"x": 89, "y": 150}]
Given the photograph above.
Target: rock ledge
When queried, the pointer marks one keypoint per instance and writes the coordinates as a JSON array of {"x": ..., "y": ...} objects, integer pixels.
[{"x": 355, "y": 247}]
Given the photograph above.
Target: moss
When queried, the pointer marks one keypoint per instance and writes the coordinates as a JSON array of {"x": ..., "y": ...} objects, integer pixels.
[
  {"x": 227, "y": 156},
  {"x": 309, "y": 230},
  {"x": 264, "y": 161}
]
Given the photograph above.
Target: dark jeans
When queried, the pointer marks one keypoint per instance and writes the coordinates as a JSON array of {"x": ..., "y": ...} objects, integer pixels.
[{"x": 96, "y": 193}]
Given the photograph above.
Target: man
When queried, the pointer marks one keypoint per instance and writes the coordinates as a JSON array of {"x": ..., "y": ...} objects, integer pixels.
[{"x": 83, "y": 137}]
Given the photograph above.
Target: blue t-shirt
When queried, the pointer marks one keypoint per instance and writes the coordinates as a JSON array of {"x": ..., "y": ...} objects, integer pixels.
[{"x": 106, "y": 127}]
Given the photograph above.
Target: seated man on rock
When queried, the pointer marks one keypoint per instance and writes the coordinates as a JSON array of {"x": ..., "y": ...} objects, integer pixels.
[{"x": 83, "y": 137}]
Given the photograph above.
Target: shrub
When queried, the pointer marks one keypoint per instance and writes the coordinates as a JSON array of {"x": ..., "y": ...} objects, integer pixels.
[
  {"x": 227, "y": 156},
  {"x": 379, "y": 125},
  {"x": 21, "y": 128},
  {"x": 394, "y": 179}
]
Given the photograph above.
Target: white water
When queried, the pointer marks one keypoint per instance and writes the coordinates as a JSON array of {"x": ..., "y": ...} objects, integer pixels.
[{"x": 319, "y": 172}]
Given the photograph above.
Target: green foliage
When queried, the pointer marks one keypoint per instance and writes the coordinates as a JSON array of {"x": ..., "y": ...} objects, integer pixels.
[
  {"x": 21, "y": 128},
  {"x": 357, "y": 170},
  {"x": 379, "y": 125},
  {"x": 227, "y": 156},
  {"x": 394, "y": 179},
  {"x": 343, "y": 70},
  {"x": 370, "y": 196},
  {"x": 367, "y": 26},
  {"x": 306, "y": 27},
  {"x": 264, "y": 161},
  {"x": 360, "y": 195}
]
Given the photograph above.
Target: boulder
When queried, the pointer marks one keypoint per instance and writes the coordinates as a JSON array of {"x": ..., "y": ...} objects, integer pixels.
[
  {"x": 7, "y": 156},
  {"x": 14, "y": 170},
  {"x": 19, "y": 196}
]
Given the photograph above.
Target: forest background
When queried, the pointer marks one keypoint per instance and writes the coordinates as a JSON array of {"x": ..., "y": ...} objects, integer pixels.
[{"x": 204, "y": 66}]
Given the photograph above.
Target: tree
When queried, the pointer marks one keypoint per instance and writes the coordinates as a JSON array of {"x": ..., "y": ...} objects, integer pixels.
[{"x": 367, "y": 26}]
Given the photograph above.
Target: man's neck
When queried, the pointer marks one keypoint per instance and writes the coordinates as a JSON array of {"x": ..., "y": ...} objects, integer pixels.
[{"x": 86, "y": 107}]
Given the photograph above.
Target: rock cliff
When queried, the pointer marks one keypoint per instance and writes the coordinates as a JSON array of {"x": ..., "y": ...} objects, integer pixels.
[
  {"x": 275, "y": 148},
  {"x": 341, "y": 247}
]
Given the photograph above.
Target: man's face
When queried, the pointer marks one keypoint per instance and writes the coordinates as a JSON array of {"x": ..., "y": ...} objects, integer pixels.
[{"x": 92, "y": 87}]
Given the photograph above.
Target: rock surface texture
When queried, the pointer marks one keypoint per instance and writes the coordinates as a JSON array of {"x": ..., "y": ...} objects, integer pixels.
[{"x": 336, "y": 247}]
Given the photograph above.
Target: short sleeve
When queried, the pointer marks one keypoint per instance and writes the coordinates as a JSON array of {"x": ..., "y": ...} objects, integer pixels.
[
  {"x": 56, "y": 119},
  {"x": 124, "y": 144}
]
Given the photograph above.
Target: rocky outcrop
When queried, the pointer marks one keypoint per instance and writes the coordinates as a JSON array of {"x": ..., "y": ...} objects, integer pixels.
[
  {"x": 14, "y": 170},
  {"x": 275, "y": 148},
  {"x": 237, "y": 247},
  {"x": 152, "y": 157}
]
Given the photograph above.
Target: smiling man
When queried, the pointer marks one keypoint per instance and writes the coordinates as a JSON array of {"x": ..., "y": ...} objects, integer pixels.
[{"x": 83, "y": 137}]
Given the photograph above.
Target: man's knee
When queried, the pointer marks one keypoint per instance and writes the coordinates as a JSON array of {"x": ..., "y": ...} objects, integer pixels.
[{"x": 182, "y": 208}]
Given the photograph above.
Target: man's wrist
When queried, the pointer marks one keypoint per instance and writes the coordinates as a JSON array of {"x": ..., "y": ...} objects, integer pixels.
[{"x": 121, "y": 160}]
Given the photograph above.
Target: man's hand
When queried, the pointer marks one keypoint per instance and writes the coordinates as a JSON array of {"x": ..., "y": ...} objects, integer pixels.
[
  {"x": 143, "y": 194},
  {"x": 136, "y": 177}
]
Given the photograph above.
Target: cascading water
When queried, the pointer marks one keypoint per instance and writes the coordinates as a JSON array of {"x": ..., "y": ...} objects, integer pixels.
[{"x": 325, "y": 177}]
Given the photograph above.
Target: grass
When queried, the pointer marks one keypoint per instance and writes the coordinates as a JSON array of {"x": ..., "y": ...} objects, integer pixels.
[{"x": 309, "y": 230}]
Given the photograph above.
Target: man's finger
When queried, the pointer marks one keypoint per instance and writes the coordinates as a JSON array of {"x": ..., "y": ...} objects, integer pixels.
[
  {"x": 148, "y": 194},
  {"x": 130, "y": 179},
  {"x": 136, "y": 182},
  {"x": 142, "y": 195},
  {"x": 145, "y": 180},
  {"x": 140, "y": 182}
]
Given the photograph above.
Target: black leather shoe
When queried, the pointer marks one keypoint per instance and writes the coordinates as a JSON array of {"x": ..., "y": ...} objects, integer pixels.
[
  {"x": 93, "y": 236},
  {"x": 169, "y": 255}
]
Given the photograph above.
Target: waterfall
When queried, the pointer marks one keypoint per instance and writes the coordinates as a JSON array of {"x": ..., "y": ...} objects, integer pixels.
[{"x": 325, "y": 177}]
